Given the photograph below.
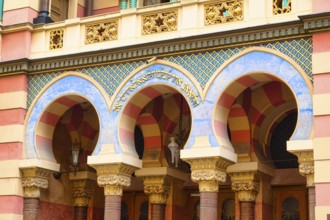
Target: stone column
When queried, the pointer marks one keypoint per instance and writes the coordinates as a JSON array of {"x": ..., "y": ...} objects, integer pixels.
[
  {"x": 158, "y": 189},
  {"x": 246, "y": 184},
  {"x": 34, "y": 179},
  {"x": 306, "y": 168},
  {"x": 43, "y": 17},
  {"x": 82, "y": 192},
  {"x": 113, "y": 178},
  {"x": 208, "y": 173}
]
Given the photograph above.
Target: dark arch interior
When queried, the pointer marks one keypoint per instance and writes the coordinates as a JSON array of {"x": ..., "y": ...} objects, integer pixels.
[
  {"x": 281, "y": 157},
  {"x": 138, "y": 141}
]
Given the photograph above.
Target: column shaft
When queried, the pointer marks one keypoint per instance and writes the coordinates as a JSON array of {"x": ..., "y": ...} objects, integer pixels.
[
  {"x": 89, "y": 7},
  {"x": 30, "y": 210},
  {"x": 247, "y": 210},
  {"x": 158, "y": 211},
  {"x": 208, "y": 205},
  {"x": 112, "y": 207},
  {"x": 311, "y": 203},
  {"x": 80, "y": 212}
]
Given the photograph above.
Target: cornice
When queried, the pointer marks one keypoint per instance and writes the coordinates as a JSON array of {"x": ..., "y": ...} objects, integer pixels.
[
  {"x": 16, "y": 28},
  {"x": 247, "y": 36},
  {"x": 316, "y": 22}
]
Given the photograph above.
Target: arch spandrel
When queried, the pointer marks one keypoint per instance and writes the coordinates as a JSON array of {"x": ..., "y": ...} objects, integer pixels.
[
  {"x": 273, "y": 65},
  {"x": 69, "y": 84}
]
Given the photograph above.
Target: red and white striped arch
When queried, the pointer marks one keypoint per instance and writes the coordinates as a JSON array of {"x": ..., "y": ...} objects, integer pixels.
[
  {"x": 50, "y": 117},
  {"x": 134, "y": 107},
  {"x": 151, "y": 133}
]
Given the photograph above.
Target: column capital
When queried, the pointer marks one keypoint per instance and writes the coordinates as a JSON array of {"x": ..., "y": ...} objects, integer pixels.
[
  {"x": 158, "y": 188},
  {"x": 246, "y": 184},
  {"x": 208, "y": 172},
  {"x": 34, "y": 179},
  {"x": 306, "y": 165},
  {"x": 114, "y": 177},
  {"x": 82, "y": 191}
]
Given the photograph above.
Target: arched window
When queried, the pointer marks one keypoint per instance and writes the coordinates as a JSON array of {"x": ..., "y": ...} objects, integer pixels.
[
  {"x": 144, "y": 211},
  {"x": 290, "y": 209}
]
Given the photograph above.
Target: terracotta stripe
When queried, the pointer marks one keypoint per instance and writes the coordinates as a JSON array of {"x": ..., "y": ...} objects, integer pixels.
[
  {"x": 226, "y": 100},
  {"x": 247, "y": 81},
  {"x": 146, "y": 119},
  {"x": 220, "y": 128},
  {"x": 321, "y": 42},
  {"x": 11, "y": 204},
  {"x": 322, "y": 192},
  {"x": 321, "y": 125},
  {"x": 237, "y": 112},
  {"x": 321, "y": 83},
  {"x": 88, "y": 131},
  {"x": 12, "y": 116},
  {"x": 150, "y": 92},
  {"x": 152, "y": 142},
  {"x": 132, "y": 110},
  {"x": 49, "y": 118},
  {"x": 77, "y": 116},
  {"x": 274, "y": 93},
  {"x": 169, "y": 125},
  {"x": 240, "y": 136},
  {"x": 43, "y": 142},
  {"x": 13, "y": 83},
  {"x": 66, "y": 101},
  {"x": 125, "y": 136},
  {"x": 11, "y": 151}
]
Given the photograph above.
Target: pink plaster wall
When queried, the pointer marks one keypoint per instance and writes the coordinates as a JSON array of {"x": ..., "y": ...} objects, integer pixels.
[
  {"x": 80, "y": 11},
  {"x": 52, "y": 211},
  {"x": 321, "y": 124},
  {"x": 105, "y": 10},
  {"x": 321, "y": 6},
  {"x": 16, "y": 45},
  {"x": 18, "y": 16},
  {"x": 321, "y": 42},
  {"x": 12, "y": 116},
  {"x": 13, "y": 83},
  {"x": 322, "y": 194},
  {"x": 11, "y": 204},
  {"x": 11, "y": 151},
  {"x": 322, "y": 83}
]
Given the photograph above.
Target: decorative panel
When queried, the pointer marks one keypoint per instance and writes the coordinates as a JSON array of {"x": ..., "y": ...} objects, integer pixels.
[
  {"x": 56, "y": 39},
  {"x": 200, "y": 64},
  {"x": 159, "y": 22},
  {"x": 281, "y": 6},
  {"x": 101, "y": 32},
  {"x": 224, "y": 11}
]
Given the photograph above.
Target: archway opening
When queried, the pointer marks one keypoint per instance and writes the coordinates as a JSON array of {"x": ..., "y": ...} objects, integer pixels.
[{"x": 150, "y": 118}]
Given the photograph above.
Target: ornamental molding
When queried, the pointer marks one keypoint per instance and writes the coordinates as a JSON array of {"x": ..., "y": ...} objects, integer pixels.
[
  {"x": 56, "y": 39},
  {"x": 248, "y": 36},
  {"x": 34, "y": 179},
  {"x": 208, "y": 172},
  {"x": 306, "y": 165},
  {"x": 106, "y": 31},
  {"x": 160, "y": 22},
  {"x": 223, "y": 12},
  {"x": 82, "y": 191},
  {"x": 246, "y": 184},
  {"x": 158, "y": 188}
]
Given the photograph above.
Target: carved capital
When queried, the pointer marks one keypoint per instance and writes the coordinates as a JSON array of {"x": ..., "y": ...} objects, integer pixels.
[
  {"x": 114, "y": 177},
  {"x": 82, "y": 191},
  {"x": 158, "y": 188},
  {"x": 306, "y": 165},
  {"x": 34, "y": 179},
  {"x": 246, "y": 184},
  {"x": 208, "y": 172}
]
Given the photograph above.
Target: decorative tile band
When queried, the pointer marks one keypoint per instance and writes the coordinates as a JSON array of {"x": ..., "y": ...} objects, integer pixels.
[
  {"x": 106, "y": 31},
  {"x": 223, "y": 12},
  {"x": 281, "y": 6},
  {"x": 200, "y": 64},
  {"x": 159, "y": 22},
  {"x": 56, "y": 39}
]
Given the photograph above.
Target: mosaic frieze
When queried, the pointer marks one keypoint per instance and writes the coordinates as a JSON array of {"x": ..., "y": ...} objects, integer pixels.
[
  {"x": 159, "y": 22},
  {"x": 224, "y": 11},
  {"x": 202, "y": 65},
  {"x": 101, "y": 32},
  {"x": 56, "y": 39},
  {"x": 281, "y": 6}
]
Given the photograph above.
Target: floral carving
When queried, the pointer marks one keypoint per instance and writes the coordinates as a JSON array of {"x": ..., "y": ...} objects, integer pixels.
[
  {"x": 56, "y": 39},
  {"x": 158, "y": 188},
  {"x": 224, "y": 11},
  {"x": 82, "y": 191},
  {"x": 102, "y": 32},
  {"x": 306, "y": 165},
  {"x": 246, "y": 184},
  {"x": 159, "y": 22},
  {"x": 281, "y": 6},
  {"x": 34, "y": 179}
]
